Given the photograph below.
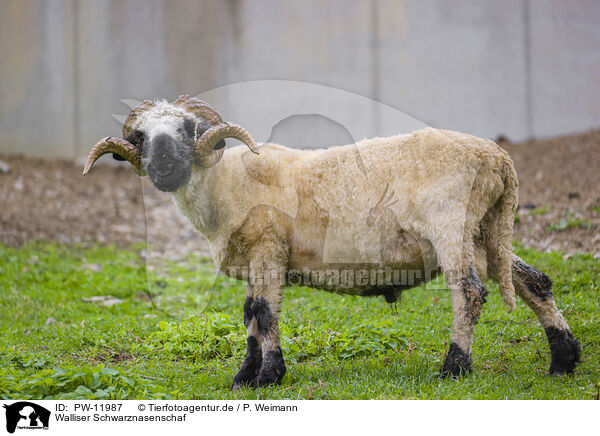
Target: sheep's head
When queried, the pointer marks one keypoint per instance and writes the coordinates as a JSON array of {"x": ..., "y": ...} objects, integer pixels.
[{"x": 164, "y": 140}]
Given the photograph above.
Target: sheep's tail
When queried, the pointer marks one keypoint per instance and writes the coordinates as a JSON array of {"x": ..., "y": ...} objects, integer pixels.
[{"x": 501, "y": 241}]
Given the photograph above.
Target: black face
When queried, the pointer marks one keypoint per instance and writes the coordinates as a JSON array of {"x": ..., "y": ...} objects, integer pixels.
[{"x": 168, "y": 161}]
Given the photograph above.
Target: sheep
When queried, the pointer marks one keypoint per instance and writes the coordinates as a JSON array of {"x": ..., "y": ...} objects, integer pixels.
[{"x": 276, "y": 216}]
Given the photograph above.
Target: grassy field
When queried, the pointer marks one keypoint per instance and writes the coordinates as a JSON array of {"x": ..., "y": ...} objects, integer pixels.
[{"x": 171, "y": 334}]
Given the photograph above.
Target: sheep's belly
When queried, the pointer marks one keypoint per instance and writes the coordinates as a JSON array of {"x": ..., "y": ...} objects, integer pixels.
[
  {"x": 400, "y": 265},
  {"x": 361, "y": 279}
]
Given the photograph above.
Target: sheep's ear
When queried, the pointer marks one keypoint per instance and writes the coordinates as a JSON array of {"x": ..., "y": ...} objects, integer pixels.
[
  {"x": 220, "y": 145},
  {"x": 136, "y": 138}
]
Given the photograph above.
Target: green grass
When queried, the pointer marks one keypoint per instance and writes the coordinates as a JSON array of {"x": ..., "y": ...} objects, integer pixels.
[
  {"x": 174, "y": 335},
  {"x": 541, "y": 210},
  {"x": 570, "y": 221}
]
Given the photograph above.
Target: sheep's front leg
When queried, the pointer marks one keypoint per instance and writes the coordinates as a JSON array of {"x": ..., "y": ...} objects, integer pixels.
[
  {"x": 261, "y": 312},
  {"x": 266, "y": 312},
  {"x": 253, "y": 361},
  {"x": 468, "y": 296}
]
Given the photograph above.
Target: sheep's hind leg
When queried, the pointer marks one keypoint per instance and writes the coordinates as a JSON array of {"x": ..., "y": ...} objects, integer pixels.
[
  {"x": 535, "y": 288},
  {"x": 253, "y": 361},
  {"x": 468, "y": 296}
]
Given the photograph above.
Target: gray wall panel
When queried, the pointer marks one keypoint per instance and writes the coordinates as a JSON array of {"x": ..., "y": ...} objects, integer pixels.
[{"x": 520, "y": 68}]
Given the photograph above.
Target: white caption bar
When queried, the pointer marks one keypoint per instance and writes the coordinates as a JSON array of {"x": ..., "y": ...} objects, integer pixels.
[{"x": 294, "y": 417}]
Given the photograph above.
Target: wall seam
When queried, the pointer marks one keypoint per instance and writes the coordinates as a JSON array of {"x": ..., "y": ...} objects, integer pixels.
[
  {"x": 76, "y": 84},
  {"x": 375, "y": 65},
  {"x": 528, "y": 76}
]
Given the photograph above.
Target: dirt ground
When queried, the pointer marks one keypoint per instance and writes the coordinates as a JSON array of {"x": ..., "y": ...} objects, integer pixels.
[
  {"x": 561, "y": 178},
  {"x": 50, "y": 200}
]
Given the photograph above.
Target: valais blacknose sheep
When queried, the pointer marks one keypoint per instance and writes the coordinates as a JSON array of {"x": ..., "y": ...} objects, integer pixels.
[{"x": 276, "y": 216}]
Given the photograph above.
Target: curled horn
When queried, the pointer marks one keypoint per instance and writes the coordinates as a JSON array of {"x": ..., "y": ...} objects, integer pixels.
[
  {"x": 199, "y": 108},
  {"x": 133, "y": 116},
  {"x": 204, "y": 146},
  {"x": 119, "y": 146},
  {"x": 206, "y": 143}
]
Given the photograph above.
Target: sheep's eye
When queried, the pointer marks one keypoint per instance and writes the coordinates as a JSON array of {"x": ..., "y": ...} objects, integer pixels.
[{"x": 136, "y": 138}]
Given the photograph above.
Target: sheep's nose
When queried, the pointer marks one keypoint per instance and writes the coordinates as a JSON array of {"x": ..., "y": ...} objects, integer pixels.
[{"x": 163, "y": 170}]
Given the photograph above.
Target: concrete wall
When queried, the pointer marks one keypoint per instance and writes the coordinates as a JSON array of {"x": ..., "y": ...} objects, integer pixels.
[{"x": 521, "y": 68}]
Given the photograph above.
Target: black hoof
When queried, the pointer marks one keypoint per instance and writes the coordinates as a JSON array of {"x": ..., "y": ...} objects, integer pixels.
[
  {"x": 457, "y": 362},
  {"x": 272, "y": 370},
  {"x": 564, "y": 349},
  {"x": 247, "y": 374}
]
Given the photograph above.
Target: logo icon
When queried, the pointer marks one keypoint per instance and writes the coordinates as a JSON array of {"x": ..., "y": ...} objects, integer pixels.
[{"x": 26, "y": 415}]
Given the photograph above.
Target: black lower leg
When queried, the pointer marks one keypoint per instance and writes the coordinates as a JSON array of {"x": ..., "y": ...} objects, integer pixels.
[
  {"x": 467, "y": 301},
  {"x": 273, "y": 368},
  {"x": 535, "y": 288},
  {"x": 564, "y": 349},
  {"x": 457, "y": 362},
  {"x": 251, "y": 365}
]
